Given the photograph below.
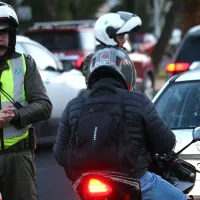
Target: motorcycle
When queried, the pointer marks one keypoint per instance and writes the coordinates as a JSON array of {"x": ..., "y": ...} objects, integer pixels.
[{"x": 108, "y": 185}]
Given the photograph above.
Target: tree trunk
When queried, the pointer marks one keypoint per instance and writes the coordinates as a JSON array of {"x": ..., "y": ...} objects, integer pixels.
[
  {"x": 160, "y": 47},
  {"x": 190, "y": 15}
]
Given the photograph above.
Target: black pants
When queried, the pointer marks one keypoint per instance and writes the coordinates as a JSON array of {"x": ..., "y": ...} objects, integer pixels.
[{"x": 17, "y": 176}]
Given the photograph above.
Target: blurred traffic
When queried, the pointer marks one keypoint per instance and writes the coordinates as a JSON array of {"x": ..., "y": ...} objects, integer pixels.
[
  {"x": 59, "y": 49},
  {"x": 61, "y": 85}
]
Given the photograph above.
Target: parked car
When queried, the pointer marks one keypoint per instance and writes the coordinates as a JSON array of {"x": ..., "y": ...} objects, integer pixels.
[
  {"x": 178, "y": 103},
  {"x": 187, "y": 55},
  {"x": 145, "y": 42},
  {"x": 72, "y": 41},
  {"x": 145, "y": 81},
  {"x": 61, "y": 86}
]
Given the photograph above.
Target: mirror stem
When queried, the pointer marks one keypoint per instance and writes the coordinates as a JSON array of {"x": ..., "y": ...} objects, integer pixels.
[{"x": 177, "y": 153}]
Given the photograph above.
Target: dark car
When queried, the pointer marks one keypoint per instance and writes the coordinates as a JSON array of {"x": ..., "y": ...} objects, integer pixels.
[
  {"x": 72, "y": 41},
  {"x": 187, "y": 55}
]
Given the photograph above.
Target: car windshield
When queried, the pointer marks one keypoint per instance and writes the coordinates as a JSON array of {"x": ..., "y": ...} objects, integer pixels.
[
  {"x": 179, "y": 105},
  {"x": 190, "y": 50},
  {"x": 65, "y": 40}
]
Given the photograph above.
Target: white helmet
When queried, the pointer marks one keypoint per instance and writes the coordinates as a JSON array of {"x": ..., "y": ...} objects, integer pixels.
[
  {"x": 8, "y": 22},
  {"x": 108, "y": 26},
  {"x": 8, "y": 17}
]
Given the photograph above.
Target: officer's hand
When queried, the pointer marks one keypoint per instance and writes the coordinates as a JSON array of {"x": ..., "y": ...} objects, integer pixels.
[{"x": 6, "y": 115}]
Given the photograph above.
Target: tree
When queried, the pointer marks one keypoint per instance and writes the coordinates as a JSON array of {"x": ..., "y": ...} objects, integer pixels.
[
  {"x": 190, "y": 15},
  {"x": 84, "y": 9},
  {"x": 162, "y": 43},
  {"x": 143, "y": 8},
  {"x": 55, "y": 10}
]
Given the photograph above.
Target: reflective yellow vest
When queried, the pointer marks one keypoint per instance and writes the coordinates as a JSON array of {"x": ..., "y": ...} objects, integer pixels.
[{"x": 12, "y": 81}]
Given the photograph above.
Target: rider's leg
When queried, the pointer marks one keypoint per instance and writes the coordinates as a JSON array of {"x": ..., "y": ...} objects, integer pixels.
[{"x": 155, "y": 188}]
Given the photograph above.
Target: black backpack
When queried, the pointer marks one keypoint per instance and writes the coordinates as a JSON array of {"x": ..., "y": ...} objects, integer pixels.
[{"x": 100, "y": 140}]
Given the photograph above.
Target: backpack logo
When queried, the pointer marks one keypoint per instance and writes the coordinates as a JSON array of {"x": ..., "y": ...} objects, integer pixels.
[{"x": 94, "y": 136}]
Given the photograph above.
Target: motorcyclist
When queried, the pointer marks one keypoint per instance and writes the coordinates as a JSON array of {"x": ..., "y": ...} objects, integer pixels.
[
  {"x": 110, "y": 30},
  {"x": 115, "y": 70}
]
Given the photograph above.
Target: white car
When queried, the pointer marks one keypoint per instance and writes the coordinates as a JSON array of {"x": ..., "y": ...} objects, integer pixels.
[
  {"x": 61, "y": 86},
  {"x": 178, "y": 103}
]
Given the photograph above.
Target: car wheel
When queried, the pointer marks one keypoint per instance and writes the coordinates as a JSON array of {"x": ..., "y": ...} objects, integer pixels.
[{"x": 149, "y": 87}]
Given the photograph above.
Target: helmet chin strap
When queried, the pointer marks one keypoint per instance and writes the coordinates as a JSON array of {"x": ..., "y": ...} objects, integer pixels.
[
  {"x": 5, "y": 56},
  {"x": 4, "y": 47}
]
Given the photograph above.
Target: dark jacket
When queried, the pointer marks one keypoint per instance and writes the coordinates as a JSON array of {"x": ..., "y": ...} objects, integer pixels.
[
  {"x": 141, "y": 118},
  {"x": 39, "y": 107}
]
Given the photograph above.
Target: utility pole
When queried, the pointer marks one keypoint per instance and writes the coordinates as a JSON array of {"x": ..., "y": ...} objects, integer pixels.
[{"x": 156, "y": 18}]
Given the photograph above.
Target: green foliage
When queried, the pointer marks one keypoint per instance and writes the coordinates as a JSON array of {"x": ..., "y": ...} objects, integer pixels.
[
  {"x": 143, "y": 8},
  {"x": 55, "y": 10},
  {"x": 86, "y": 9}
]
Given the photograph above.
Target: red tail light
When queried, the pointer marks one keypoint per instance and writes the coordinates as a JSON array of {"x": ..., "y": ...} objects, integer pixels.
[
  {"x": 98, "y": 188},
  {"x": 173, "y": 68},
  {"x": 79, "y": 62}
]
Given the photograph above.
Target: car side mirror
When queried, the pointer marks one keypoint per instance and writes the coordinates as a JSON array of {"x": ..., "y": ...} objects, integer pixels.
[
  {"x": 67, "y": 66},
  {"x": 196, "y": 134},
  {"x": 50, "y": 68}
]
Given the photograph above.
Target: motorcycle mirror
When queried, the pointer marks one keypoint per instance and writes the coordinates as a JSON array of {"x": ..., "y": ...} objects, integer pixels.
[
  {"x": 196, "y": 137},
  {"x": 196, "y": 134}
]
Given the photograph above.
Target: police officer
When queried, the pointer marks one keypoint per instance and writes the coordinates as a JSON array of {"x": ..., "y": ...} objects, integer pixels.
[{"x": 23, "y": 101}]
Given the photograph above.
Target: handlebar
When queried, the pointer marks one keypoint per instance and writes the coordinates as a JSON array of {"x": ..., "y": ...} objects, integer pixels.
[
  {"x": 172, "y": 163},
  {"x": 186, "y": 172}
]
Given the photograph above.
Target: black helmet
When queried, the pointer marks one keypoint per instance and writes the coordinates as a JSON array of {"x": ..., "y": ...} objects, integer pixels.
[
  {"x": 8, "y": 22},
  {"x": 115, "y": 62}
]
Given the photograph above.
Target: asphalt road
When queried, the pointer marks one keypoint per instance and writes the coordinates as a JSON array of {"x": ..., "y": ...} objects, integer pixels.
[{"x": 52, "y": 183}]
